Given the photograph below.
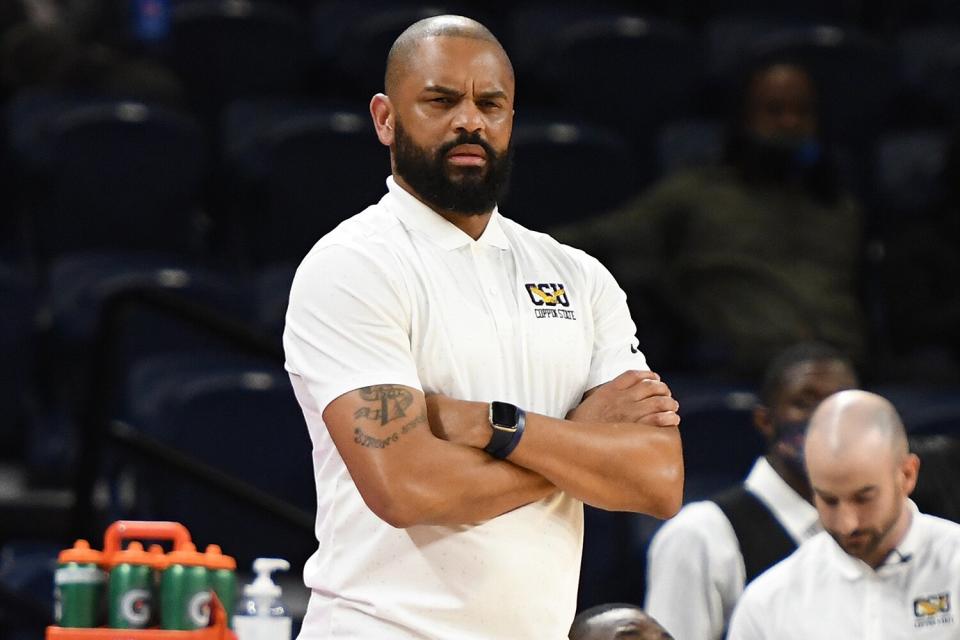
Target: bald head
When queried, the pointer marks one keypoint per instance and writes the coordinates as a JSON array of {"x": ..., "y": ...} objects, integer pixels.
[
  {"x": 854, "y": 419},
  {"x": 405, "y": 46},
  {"x": 861, "y": 473},
  {"x": 616, "y": 621}
]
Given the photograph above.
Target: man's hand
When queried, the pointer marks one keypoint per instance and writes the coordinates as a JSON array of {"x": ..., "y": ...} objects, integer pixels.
[{"x": 633, "y": 396}]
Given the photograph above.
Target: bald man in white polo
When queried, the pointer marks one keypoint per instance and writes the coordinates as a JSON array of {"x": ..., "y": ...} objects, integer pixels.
[{"x": 880, "y": 569}]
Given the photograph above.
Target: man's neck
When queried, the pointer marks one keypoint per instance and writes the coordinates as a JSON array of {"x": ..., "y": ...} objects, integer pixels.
[
  {"x": 894, "y": 537},
  {"x": 794, "y": 480},
  {"x": 471, "y": 224}
]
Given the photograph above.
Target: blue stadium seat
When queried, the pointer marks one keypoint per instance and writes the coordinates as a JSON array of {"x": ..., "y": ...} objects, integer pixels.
[
  {"x": 626, "y": 71},
  {"x": 272, "y": 293},
  {"x": 930, "y": 69},
  {"x": 106, "y": 173},
  {"x": 72, "y": 308},
  {"x": 729, "y": 38},
  {"x": 908, "y": 167},
  {"x": 79, "y": 285},
  {"x": 940, "y": 421},
  {"x": 239, "y": 417},
  {"x": 529, "y": 27},
  {"x": 566, "y": 170},
  {"x": 898, "y": 14},
  {"x": 297, "y": 170},
  {"x": 720, "y": 442},
  {"x": 229, "y": 49},
  {"x": 354, "y": 38},
  {"x": 684, "y": 144},
  {"x": 18, "y": 305},
  {"x": 26, "y": 572},
  {"x": 925, "y": 409},
  {"x": 832, "y": 11}
]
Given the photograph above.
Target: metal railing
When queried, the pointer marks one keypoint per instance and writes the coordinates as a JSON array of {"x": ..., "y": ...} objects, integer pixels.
[{"x": 99, "y": 429}]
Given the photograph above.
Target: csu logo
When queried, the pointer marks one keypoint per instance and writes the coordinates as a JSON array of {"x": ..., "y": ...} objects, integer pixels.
[
  {"x": 547, "y": 293},
  {"x": 932, "y": 610}
]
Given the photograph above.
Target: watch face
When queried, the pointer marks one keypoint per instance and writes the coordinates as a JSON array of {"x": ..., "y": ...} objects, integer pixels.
[{"x": 504, "y": 414}]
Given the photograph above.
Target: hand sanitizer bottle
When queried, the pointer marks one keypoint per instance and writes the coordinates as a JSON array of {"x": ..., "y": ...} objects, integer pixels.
[{"x": 261, "y": 615}]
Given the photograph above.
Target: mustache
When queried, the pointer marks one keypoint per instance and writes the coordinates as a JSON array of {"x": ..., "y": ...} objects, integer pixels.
[{"x": 467, "y": 138}]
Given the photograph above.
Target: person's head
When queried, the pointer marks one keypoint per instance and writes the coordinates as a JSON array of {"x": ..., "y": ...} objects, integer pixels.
[
  {"x": 447, "y": 114},
  {"x": 861, "y": 471},
  {"x": 774, "y": 132},
  {"x": 780, "y": 103},
  {"x": 616, "y": 621},
  {"x": 795, "y": 382}
]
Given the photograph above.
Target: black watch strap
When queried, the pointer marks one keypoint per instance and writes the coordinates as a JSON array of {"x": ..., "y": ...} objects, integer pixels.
[{"x": 507, "y": 422}]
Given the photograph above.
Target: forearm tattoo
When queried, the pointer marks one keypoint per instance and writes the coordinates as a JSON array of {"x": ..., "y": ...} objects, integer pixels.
[{"x": 386, "y": 406}]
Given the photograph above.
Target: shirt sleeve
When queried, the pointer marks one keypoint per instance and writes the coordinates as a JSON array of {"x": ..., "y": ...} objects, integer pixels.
[
  {"x": 694, "y": 573},
  {"x": 615, "y": 345},
  {"x": 744, "y": 623},
  {"x": 348, "y": 325}
]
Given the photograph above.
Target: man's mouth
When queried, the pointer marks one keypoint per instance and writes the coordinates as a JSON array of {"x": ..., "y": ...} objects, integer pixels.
[{"x": 467, "y": 155}]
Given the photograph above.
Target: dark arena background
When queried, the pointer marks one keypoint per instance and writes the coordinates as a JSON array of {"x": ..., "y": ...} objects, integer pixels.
[{"x": 167, "y": 163}]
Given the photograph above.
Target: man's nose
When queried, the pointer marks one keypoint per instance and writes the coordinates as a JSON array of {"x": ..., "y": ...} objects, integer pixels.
[
  {"x": 468, "y": 117},
  {"x": 789, "y": 121},
  {"x": 845, "y": 520}
]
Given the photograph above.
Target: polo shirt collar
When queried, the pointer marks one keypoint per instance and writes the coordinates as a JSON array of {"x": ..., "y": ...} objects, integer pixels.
[
  {"x": 904, "y": 553},
  {"x": 414, "y": 214},
  {"x": 797, "y": 516}
]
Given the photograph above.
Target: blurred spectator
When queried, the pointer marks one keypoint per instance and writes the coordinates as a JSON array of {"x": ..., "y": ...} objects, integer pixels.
[
  {"x": 53, "y": 55},
  {"x": 752, "y": 255},
  {"x": 616, "y": 621},
  {"x": 700, "y": 560},
  {"x": 880, "y": 568},
  {"x": 920, "y": 279}
]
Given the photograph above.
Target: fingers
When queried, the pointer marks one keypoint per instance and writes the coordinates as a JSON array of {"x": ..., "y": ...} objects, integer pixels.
[
  {"x": 657, "y": 404},
  {"x": 648, "y": 389},
  {"x": 663, "y": 419},
  {"x": 632, "y": 377}
]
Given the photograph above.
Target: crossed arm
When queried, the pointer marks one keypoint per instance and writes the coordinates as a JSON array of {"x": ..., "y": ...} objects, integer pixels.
[{"x": 419, "y": 459}]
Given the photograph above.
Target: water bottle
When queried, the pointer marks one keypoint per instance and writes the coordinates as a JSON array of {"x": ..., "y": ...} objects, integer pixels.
[
  {"x": 79, "y": 584},
  {"x": 185, "y": 590},
  {"x": 262, "y": 615},
  {"x": 223, "y": 578},
  {"x": 130, "y": 592}
]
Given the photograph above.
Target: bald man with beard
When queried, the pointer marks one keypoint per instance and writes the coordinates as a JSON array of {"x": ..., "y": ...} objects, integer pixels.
[
  {"x": 880, "y": 569},
  {"x": 467, "y": 383}
]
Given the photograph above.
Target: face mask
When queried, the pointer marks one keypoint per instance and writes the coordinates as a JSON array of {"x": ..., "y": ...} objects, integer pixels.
[
  {"x": 788, "y": 444},
  {"x": 782, "y": 154}
]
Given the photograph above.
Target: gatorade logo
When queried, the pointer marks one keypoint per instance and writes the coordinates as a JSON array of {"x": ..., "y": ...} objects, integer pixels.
[
  {"x": 199, "y": 609},
  {"x": 135, "y": 607}
]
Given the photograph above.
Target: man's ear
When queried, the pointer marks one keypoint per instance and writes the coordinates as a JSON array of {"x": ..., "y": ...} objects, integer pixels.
[
  {"x": 910, "y": 468},
  {"x": 762, "y": 422},
  {"x": 381, "y": 110}
]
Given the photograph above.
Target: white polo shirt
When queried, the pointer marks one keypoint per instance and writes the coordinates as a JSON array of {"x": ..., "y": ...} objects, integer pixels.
[
  {"x": 820, "y": 592},
  {"x": 695, "y": 569},
  {"x": 398, "y": 295}
]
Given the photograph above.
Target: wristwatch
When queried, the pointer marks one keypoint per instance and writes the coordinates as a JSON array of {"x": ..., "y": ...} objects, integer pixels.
[{"x": 507, "y": 422}]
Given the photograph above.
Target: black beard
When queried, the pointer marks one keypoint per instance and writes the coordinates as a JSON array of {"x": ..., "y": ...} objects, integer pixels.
[{"x": 470, "y": 191}]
